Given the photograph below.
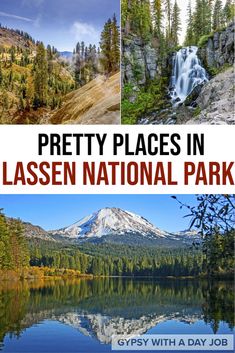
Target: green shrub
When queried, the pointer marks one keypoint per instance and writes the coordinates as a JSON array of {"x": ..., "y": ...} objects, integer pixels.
[
  {"x": 212, "y": 70},
  {"x": 147, "y": 99},
  {"x": 197, "y": 111},
  {"x": 204, "y": 39}
]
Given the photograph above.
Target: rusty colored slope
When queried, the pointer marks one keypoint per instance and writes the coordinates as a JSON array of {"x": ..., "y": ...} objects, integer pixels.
[{"x": 98, "y": 102}]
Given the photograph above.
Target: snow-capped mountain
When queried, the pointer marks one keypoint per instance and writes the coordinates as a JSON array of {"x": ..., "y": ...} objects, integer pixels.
[
  {"x": 104, "y": 327},
  {"x": 109, "y": 221},
  {"x": 116, "y": 225}
]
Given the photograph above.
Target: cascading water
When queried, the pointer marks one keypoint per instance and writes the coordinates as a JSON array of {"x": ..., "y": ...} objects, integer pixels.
[{"x": 186, "y": 75}]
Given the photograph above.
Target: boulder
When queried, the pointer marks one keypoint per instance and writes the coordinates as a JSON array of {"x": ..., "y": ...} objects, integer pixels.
[
  {"x": 216, "y": 101},
  {"x": 191, "y": 99}
]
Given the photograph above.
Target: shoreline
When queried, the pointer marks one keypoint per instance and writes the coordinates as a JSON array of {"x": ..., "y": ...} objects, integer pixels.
[{"x": 45, "y": 273}]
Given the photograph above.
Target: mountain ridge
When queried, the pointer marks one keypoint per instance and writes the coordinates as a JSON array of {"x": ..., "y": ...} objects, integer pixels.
[
  {"x": 114, "y": 226},
  {"x": 11, "y": 37}
]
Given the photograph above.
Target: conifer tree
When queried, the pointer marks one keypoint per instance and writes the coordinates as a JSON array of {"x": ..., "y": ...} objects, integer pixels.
[
  {"x": 49, "y": 52},
  {"x": 115, "y": 45},
  {"x": 168, "y": 11},
  {"x": 77, "y": 63},
  {"x": 82, "y": 52},
  {"x": 106, "y": 47},
  {"x": 23, "y": 251},
  {"x": 126, "y": 6},
  {"x": 145, "y": 22},
  {"x": 5, "y": 100},
  {"x": 229, "y": 11},
  {"x": 1, "y": 74},
  {"x": 176, "y": 24},
  {"x": 202, "y": 19},
  {"x": 40, "y": 77},
  {"x": 5, "y": 250},
  {"x": 136, "y": 18},
  {"x": 189, "y": 40},
  {"x": 158, "y": 18},
  {"x": 217, "y": 15},
  {"x": 207, "y": 6}
]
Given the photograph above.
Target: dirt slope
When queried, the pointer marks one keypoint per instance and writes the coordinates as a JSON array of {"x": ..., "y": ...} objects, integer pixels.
[
  {"x": 10, "y": 38},
  {"x": 98, "y": 102}
]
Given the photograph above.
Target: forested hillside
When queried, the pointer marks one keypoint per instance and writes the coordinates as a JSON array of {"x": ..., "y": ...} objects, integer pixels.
[
  {"x": 34, "y": 80},
  {"x": 24, "y": 247},
  {"x": 151, "y": 38},
  {"x": 18, "y": 251}
]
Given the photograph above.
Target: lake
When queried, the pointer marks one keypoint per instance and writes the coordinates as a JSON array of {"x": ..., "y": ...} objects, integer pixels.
[{"x": 81, "y": 315}]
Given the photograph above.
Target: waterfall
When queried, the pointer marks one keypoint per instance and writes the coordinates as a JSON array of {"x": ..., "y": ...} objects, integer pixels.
[{"x": 187, "y": 73}]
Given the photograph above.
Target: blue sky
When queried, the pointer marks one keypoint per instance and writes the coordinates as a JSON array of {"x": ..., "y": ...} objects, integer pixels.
[
  {"x": 59, "y": 22},
  {"x": 56, "y": 211}
]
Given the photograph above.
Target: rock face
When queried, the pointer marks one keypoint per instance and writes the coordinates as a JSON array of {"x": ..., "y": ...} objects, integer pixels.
[
  {"x": 216, "y": 101},
  {"x": 139, "y": 61},
  {"x": 192, "y": 97},
  {"x": 33, "y": 231},
  {"x": 98, "y": 102},
  {"x": 219, "y": 49}
]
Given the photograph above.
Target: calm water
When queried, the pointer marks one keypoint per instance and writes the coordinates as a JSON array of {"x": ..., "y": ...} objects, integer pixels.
[{"x": 82, "y": 315}]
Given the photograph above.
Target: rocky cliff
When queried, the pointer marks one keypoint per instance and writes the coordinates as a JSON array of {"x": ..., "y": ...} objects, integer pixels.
[
  {"x": 217, "y": 49},
  {"x": 215, "y": 103},
  {"x": 139, "y": 61}
]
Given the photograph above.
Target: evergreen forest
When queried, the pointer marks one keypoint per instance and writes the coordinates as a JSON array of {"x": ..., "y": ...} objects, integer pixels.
[
  {"x": 151, "y": 35},
  {"x": 35, "y": 79}
]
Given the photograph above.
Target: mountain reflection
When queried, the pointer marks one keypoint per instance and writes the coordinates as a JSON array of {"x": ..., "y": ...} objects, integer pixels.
[{"x": 101, "y": 308}]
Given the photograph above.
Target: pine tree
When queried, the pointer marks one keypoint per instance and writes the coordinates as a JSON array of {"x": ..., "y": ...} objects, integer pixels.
[
  {"x": 1, "y": 75},
  {"x": 12, "y": 55},
  {"x": 136, "y": 18},
  {"x": 189, "y": 40},
  {"x": 126, "y": 16},
  {"x": 115, "y": 44},
  {"x": 77, "y": 64},
  {"x": 77, "y": 49},
  {"x": 82, "y": 50},
  {"x": 158, "y": 18},
  {"x": 106, "y": 46},
  {"x": 19, "y": 247},
  {"x": 168, "y": 11},
  {"x": 5, "y": 250},
  {"x": 176, "y": 24},
  {"x": 217, "y": 15},
  {"x": 5, "y": 100},
  {"x": 229, "y": 11},
  {"x": 49, "y": 52},
  {"x": 40, "y": 77},
  {"x": 145, "y": 19},
  {"x": 207, "y": 8},
  {"x": 202, "y": 19}
]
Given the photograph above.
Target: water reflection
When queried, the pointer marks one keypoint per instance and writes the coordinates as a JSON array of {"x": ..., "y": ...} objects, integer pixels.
[{"x": 101, "y": 308}]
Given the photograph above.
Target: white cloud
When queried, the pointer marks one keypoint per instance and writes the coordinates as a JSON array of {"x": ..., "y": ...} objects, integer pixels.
[
  {"x": 85, "y": 32},
  {"x": 5, "y": 14}
]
